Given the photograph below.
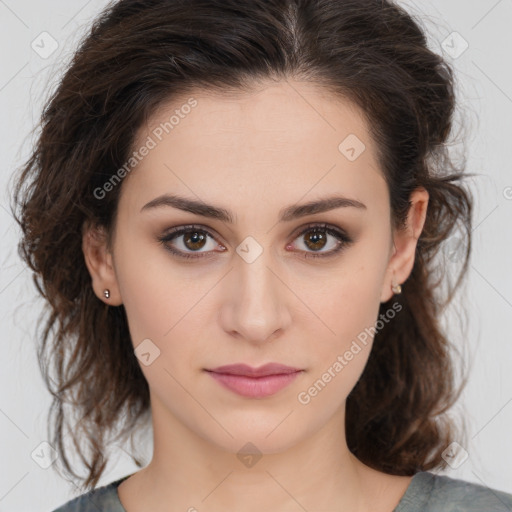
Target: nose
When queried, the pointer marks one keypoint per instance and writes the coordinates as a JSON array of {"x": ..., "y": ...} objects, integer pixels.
[{"x": 255, "y": 307}]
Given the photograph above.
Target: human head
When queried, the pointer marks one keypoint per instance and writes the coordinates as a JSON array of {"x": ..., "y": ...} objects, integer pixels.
[{"x": 369, "y": 53}]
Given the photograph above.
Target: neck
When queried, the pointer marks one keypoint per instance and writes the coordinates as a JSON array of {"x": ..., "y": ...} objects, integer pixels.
[{"x": 188, "y": 472}]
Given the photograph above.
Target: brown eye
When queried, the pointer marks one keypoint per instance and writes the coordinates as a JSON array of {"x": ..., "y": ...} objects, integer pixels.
[
  {"x": 188, "y": 240},
  {"x": 194, "y": 240},
  {"x": 316, "y": 238}
]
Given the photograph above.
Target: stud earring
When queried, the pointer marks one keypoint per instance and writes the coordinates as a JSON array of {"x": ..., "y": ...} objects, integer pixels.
[
  {"x": 106, "y": 293},
  {"x": 396, "y": 288}
]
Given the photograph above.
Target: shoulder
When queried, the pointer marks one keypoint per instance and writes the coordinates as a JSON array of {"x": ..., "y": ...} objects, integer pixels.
[
  {"x": 430, "y": 492},
  {"x": 101, "y": 499}
]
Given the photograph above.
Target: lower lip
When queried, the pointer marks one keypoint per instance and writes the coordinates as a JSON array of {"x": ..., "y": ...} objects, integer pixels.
[{"x": 255, "y": 387}]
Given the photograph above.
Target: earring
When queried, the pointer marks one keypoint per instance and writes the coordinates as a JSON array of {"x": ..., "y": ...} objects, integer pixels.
[
  {"x": 106, "y": 293},
  {"x": 396, "y": 288}
]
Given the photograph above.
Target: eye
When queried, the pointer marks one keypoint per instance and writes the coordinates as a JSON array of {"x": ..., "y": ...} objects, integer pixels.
[
  {"x": 195, "y": 238},
  {"x": 316, "y": 237}
]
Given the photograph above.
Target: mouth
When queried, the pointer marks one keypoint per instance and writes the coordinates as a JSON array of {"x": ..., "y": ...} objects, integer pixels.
[{"x": 252, "y": 382}]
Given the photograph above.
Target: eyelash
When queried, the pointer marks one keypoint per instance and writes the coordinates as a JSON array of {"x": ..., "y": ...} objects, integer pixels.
[{"x": 345, "y": 240}]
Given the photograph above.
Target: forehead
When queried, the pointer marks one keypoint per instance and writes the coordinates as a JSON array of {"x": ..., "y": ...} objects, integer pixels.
[
  {"x": 281, "y": 113},
  {"x": 288, "y": 136}
]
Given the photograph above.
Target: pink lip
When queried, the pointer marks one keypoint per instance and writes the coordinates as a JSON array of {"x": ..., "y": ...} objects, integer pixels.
[{"x": 254, "y": 382}]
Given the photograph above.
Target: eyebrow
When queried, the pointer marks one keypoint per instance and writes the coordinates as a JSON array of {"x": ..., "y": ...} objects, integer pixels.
[{"x": 285, "y": 215}]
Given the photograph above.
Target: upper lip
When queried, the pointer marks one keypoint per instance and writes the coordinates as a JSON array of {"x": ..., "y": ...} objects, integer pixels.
[{"x": 249, "y": 371}]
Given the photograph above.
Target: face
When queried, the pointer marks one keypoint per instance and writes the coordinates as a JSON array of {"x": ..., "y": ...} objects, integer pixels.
[{"x": 263, "y": 280}]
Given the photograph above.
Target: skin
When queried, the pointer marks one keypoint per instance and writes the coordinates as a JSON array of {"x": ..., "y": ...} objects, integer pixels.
[{"x": 254, "y": 154}]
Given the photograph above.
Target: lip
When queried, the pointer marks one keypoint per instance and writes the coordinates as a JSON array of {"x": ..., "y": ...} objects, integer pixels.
[
  {"x": 252, "y": 382},
  {"x": 249, "y": 371}
]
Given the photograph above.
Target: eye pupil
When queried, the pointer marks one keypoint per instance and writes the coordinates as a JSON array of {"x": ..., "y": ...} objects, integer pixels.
[{"x": 315, "y": 238}]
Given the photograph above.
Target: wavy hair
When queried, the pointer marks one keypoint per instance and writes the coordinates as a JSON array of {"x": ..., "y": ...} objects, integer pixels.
[{"x": 139, "y": 54}]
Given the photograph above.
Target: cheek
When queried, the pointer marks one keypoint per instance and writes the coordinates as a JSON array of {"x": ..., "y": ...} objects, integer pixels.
[
  {"x": 160, "y": 303},
  {"x": 348, "y": 301},
  {"x": 348, "y": 306},
  {"x": 344, "y": 348},
  {"x": 153, "y": 290},
  {"x": 157, "y": 291}
]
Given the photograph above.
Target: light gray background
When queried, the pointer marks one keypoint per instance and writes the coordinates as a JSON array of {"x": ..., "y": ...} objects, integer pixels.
[{"x": 485, "y": 94}]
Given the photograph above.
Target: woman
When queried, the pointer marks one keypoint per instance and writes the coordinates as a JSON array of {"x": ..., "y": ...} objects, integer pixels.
[{"x": 235, "y": 211}]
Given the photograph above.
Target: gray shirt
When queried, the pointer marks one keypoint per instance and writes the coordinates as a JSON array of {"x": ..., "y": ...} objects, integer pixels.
[{"x": 427, "y": 492}]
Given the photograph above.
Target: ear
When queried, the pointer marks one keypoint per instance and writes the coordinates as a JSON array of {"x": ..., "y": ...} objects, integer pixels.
[
  {"x": 405, "y": 241},
  {"x": 100, "y": 264}
]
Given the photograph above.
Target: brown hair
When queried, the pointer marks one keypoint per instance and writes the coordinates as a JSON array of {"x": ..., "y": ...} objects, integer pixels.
[{"x": 141, "y": 53}]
